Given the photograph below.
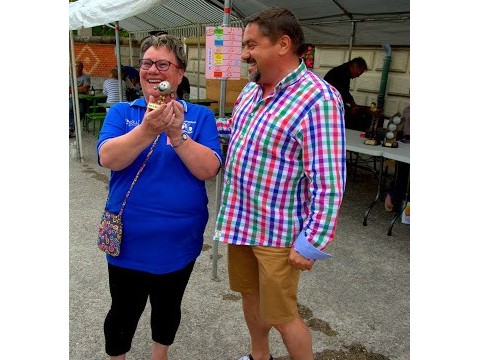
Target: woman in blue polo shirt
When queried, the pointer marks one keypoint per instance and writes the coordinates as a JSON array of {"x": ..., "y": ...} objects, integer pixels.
[{"x": 166, "y": 213}]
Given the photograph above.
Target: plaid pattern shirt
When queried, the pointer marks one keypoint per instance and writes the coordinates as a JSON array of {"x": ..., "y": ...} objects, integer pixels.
[{"x": 285, "y": 165}]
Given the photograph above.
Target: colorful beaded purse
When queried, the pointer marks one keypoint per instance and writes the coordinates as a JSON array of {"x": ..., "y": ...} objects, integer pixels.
[{"x": 110, "y": 231}]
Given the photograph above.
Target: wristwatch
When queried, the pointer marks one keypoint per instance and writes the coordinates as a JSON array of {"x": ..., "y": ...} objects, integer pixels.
[{"x": 182, "y": 141}]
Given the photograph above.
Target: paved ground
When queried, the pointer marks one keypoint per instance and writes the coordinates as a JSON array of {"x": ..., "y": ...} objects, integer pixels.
[{"x": 357, "y": 303}]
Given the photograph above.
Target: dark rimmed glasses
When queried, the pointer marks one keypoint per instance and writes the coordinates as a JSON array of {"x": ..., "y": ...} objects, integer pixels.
[{"x": 162, "y": 65}]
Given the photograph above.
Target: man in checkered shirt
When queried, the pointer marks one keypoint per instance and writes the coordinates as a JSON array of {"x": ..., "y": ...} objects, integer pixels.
[{"x": 284, "y": 180}]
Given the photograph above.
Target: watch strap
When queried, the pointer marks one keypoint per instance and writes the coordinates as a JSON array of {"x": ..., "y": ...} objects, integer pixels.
[{"x": 182, "y": 141}]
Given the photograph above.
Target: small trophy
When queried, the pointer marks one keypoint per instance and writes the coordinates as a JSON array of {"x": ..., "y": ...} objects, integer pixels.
[
  {"x": 391, "y": 135},
  {"x": 165, "y": 89},
  {"x": 372, "y": 133}
]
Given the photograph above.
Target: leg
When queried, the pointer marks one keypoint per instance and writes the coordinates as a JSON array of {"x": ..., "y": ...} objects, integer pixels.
[
  {"x": 83, "y": 105},
  {"x": 71, "y": 118},
  {"x": 401, "y": 183},
  {"x": 120, "y": 357},
  {"x": 297, "y": 338},
  {"x": 243, "y": 275},
  {"x": 278, "y": 300},
  {"x": 129, "y": 292},
  {"x": 159, "y": 351},
  {"x": 257, "y": 328},
  {"x": 166, "y": 309}
]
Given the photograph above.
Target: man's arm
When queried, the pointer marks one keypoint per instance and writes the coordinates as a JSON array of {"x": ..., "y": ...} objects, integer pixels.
[{"x": 324, "y": 163}]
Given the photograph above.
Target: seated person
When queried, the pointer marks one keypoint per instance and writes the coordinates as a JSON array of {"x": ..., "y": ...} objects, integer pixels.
[
  {"x": 83, "y": 85},
  {"x": 132, "y": 80},
  {"x": 110, "y": 88},
  {"x": 395, "y": 196},
  {"x": 183, "y": 90},
  {"x": 356, "y": 117}
]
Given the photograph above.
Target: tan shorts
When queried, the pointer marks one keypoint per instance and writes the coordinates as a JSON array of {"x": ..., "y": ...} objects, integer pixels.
[{"x": 265, "y": 271}]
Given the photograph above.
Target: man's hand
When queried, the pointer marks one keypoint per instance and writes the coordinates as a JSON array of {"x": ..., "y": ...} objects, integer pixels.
[
  {"x": 297, "y": 261},
  {"x": 353, "y": 108}
]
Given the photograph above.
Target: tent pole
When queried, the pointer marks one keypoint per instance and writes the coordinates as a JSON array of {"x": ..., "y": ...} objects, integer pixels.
[
  {"x": 130, "y": 48},
  {"x": 119, "y": 61},
  {"x": 223, "y": 82},
  {"x": 352, "y": 39},
  {"x": 198, "y": 61},
  {"x": 76, "y": 107},
  {"x": 219, "y": 179}
]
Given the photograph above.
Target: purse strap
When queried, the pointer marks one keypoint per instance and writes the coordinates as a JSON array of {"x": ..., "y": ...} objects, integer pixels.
[{"x": 138, "y": 174}]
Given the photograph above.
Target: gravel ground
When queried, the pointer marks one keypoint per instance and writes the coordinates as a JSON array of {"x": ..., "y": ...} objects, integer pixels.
[{"x": 357, "y": 303}]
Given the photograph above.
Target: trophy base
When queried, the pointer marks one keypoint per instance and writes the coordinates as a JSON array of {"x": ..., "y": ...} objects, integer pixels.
[
  {"x": 370, "y": 142},
  {"x": 153, "y": 106},
  {"x": 390, "y": 144}
]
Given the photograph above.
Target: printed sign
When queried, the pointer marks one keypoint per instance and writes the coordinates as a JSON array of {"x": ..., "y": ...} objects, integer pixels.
[{"x": 223, "y": 50}]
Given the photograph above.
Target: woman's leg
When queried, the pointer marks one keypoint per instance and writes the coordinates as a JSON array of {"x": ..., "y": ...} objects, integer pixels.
[
  {"x": 129, "y": 292},
  {"x": 166, "y": 296}
]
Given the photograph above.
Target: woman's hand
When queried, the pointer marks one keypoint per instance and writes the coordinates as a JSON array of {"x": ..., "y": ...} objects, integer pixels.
[
  {"x": 175, "y": 129},
  {"x": 158, "y": 120}
]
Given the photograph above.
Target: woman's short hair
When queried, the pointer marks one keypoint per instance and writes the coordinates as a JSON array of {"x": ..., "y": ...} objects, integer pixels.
[{"x": 170, "y": 42}]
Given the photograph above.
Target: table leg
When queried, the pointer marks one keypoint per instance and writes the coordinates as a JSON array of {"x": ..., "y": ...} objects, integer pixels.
[
  {"x": 399, "y": 213},
  {"x": 379, "y": 192}
]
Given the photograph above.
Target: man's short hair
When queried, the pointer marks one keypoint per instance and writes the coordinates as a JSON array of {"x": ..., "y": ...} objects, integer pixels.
[{"x": 360, "y": 62}]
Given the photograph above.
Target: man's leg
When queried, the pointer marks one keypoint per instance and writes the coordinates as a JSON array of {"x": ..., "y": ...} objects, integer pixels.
[
  {"x": 278, "y": 300},
  {"x": 243, "y": 275},
  {"x": 257, "y": 328},
  {"x": 297, "y": 338}
]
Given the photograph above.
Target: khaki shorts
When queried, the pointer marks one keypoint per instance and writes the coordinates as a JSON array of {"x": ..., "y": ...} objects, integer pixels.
[{"x": 265, "y": 271}]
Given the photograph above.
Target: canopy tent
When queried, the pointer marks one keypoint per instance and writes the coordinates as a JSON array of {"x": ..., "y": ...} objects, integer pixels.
[
  {"x": 335, "y": 22},
  {"x": 330, "y": 22}
]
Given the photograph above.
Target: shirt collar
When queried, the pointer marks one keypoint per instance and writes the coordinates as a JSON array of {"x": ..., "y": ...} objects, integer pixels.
[{"x": 291, "y": 78}]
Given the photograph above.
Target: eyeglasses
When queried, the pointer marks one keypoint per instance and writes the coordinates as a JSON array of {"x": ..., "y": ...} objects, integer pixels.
[{"x": 162, "y": 65}]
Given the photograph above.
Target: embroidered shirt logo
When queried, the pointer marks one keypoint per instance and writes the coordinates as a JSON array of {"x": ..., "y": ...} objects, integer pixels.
[
  {"x": 132, "y": 123},
  {"x": 187, "y": 126}
]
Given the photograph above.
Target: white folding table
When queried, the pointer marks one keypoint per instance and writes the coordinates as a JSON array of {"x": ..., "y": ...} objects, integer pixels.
[{"x": 355, "y": 143}]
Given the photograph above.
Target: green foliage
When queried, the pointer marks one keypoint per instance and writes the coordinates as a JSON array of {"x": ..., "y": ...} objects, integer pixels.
[{"x": 107, "y": 31}]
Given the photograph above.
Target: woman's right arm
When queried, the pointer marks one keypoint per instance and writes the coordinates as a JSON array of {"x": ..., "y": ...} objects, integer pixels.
[{"x": 119, "y": 152}]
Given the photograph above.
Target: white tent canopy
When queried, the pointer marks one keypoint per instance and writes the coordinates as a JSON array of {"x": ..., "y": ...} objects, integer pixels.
[
  {"x": 90, "y": 13},
  {"x": 336, "y": 22}
]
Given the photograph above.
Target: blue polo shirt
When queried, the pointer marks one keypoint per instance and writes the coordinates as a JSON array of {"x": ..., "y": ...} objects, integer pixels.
[{"x": 166, "y": 213}]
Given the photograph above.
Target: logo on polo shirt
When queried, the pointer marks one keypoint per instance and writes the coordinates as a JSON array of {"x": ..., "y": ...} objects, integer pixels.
[{"x": 187, "y": 126}]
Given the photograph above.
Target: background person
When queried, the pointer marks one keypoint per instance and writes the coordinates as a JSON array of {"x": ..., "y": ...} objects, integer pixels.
[
  {"x": 284, "y": 180},
  {"x": 166, "y": 213},
  {"x": 83, "y": 85},
  {"x": 340, "y": 77},
  {"x": 132, "y": 80},
  {"x": 110, "y": 88},
  {"x": 183, "y": 91},
  {"x": 395, "y": 196}
]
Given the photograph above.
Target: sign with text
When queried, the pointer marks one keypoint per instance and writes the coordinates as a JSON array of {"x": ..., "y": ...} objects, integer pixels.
[{"x": 223, "y": 50}]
